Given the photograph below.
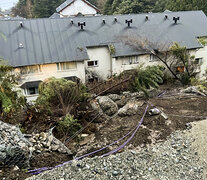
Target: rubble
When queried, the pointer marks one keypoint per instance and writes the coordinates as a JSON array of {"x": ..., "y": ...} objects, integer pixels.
[
  {"x": 198, "y": 90},
  {"x": 45, "y": 142}
]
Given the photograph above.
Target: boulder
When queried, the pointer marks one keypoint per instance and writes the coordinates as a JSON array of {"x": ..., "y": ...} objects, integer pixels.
[
  {"x": 114, "y": 97},
  {"x": 130, "y": 108},
  {"x": 108, "y": 106}
]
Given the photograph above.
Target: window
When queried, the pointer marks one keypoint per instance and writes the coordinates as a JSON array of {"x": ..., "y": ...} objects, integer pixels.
[
  {"x": 180, "y": 69},
  {"x": 92, "y": 63},
  {"x": 30, "y": 69},
  {"x": 32, "y": 91},
  {"x": 131, "y": 60},
  {"x": 66, "y": 66},
  {"x": 198, "y": 61}
]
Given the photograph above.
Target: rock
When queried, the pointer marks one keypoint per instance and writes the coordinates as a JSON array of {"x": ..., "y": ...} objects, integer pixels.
[
  {"x": 130, "y": 108},
  {"x": 122, "y": 102},
  {"x": 114, "y": 97},
  {"x": 16, "y": 168},
  {"x": 43, "y": 135},
  {"x": 54, "y": 147},
  {"x": 32, "y": 140},
  {"x": 84, "y": 135},
  {"x": 108, "y": 106},
  {"x": 115, "y": 173}
]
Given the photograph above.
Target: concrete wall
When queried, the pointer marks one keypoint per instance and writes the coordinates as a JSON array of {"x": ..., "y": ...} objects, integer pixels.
[
  {"x": 102, "y": 54},
  {"x": 78, "y": 6}
]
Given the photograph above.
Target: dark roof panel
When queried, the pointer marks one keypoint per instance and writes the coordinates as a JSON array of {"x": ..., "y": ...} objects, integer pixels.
[{"x": 54, "y": 40}]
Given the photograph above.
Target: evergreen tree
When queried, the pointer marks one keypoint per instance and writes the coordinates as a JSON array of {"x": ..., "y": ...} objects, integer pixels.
[
  {"x": 23, "y": 8},
  {"x": 108, "y": 7},
  {"x": 180, "y": 5},
  {"x": 45, "y": 8},
  {"x": 128, "y": 6}
]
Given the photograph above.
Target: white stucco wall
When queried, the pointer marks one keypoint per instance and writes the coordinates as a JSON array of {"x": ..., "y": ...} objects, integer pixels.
[
  {"x": 119, "y": 64},
  {"x": 201, "y": 53},
  {"x": 78, "y": 6},
  {"x": 102, "y": 54},
  {"x": 50, "y": 70}
]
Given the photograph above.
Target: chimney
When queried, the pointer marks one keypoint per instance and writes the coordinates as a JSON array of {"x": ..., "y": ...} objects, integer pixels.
[
  {"x": 176, "y": 19},
  {"x": 128, "y": 22},
  {"x": 81, "y": 24}
]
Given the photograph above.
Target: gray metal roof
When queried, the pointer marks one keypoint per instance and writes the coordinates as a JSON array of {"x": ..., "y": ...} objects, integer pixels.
[
  {"x": 68, "y": 2},
  {"x": 42, "y": 41},
  {"x": 55, "y": 15}
]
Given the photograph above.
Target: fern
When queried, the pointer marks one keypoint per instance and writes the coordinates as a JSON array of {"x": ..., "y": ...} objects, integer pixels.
[{"x": 148, "y": 77}]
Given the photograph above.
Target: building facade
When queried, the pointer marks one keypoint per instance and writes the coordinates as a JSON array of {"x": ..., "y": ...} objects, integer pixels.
[{"x": 84, "y": 47}]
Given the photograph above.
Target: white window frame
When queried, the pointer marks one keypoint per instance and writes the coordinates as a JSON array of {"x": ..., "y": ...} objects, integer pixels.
[
  {"x": 94, "y": 64},
  {"x": 59, "y": 67},
  {"x": 27, "y": 92},
  {"x": 29, "y": 72},
  {"x": 200, "y": 60},
  {"x": 131, "y": 60}
]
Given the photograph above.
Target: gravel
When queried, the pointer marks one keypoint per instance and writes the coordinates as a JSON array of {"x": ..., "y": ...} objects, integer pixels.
[{"x": 173, "y": 159}]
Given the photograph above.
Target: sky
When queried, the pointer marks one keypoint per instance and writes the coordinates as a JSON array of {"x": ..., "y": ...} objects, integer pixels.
[{"x": 7, "y": 4}]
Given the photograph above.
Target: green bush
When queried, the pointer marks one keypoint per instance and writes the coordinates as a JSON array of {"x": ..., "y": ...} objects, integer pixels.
[
  {"x": 148, "y": 77},
  {"x": 10, "y": 99},
  {"x": 61, "y": 95},
  {"x": 68, "y": 126},
  {"x": 185, "y": 78}
]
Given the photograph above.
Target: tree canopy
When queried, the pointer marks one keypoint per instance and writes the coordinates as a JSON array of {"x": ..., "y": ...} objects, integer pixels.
[
  {"x": 180, "y": 5},
  {"x": 43, "y": 8},
  {"x": 143, "y": 6}
]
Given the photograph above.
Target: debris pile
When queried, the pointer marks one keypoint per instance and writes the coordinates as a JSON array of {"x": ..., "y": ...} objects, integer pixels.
[
  {"x": 198, "y": 90},
  {"x": 173, "y": 159},
  {"x": 46, "y": 142}
]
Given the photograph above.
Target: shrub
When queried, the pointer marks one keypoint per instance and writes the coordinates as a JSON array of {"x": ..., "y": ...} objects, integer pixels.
[
  {"x": 61, "y": 95},
  {"x": 185, "y": 78},
  {"x": 147, "y": 77},
  {"x": 68, "y": 126},
  {"x": 10, "y": 99}
]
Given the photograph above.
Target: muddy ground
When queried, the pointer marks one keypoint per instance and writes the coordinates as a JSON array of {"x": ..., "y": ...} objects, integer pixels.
[{"x": 179, "y": 109}]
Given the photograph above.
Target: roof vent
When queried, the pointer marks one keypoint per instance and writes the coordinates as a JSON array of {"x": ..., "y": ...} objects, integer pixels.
[
  {"x": 128, "y": 22},
  {"x": 71, "y": 21},
  {"x": 115, "y": 19},
  {"x": 176, "y": 19},
  {"x": 104, "y": 21},
  {"x": 21, "y": 24},
  {"x": 146, "y": 17},
  {"x": 166, "y": 16},
  {"x": 21, "y": 45},
  {"x": 81, "y": 24}
]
